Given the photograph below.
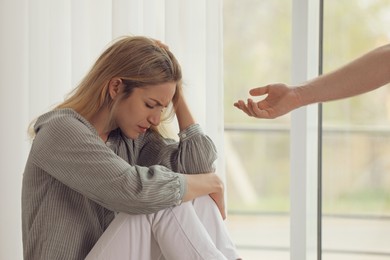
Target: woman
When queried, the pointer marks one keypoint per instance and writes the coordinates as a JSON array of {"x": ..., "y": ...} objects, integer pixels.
[{"x": 100, "y": 152}]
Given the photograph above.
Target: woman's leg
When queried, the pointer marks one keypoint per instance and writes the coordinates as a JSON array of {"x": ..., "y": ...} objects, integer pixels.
[
  {"x": 181, "y": 235},
  {"x": 127, "y": 237},
  {"x": 211, "y": 218},
  {"x": 193, "y": 230}
]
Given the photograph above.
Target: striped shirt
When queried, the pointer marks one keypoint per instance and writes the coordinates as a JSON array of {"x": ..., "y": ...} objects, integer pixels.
[{"x": 74, "y": 182}]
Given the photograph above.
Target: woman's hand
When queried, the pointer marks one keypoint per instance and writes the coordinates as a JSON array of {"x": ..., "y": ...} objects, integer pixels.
[
  {"x": 206, "y": 184},
  {"x": 219, "y": 199}
]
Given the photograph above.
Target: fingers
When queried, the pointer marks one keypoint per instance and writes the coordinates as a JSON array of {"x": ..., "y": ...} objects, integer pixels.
[
  {"x": 222, "y": 210},
  {"x": 259, "y": 91},
  {"x": 250, "y": 105},
  {"x": 252, "y": 108},
  {"x": 257, "y": 111},
  {"x": 242, "y": 106},
  {"x": 272, "y": 105},
  {"x": 219, "y": 201},
  {"x": 223, "y": 213}
]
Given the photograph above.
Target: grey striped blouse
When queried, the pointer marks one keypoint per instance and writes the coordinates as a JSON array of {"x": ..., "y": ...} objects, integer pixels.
[{"x": 74, "y": 182}]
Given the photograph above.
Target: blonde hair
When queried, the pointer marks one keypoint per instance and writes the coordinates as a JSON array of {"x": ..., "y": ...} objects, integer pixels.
[{"x": 139, "y": 61}]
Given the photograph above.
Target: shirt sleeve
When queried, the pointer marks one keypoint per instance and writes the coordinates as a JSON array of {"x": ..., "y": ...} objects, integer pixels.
[
  {"x": 194, "y": 153},
  {"x": 69, "y": 151}
]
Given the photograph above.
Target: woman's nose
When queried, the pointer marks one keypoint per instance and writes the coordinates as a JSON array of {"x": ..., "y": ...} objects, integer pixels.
[{"x": 154, "y": 119}]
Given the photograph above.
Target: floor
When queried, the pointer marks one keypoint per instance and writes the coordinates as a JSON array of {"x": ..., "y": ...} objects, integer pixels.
[{"x": 267, "y": 237}]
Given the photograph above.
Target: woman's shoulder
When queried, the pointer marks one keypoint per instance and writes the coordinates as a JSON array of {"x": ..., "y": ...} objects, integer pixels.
[{"x": 64, "y": 118}]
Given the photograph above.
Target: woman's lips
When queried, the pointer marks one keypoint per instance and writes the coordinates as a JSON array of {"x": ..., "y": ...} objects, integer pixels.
[{"x": 143, "y": 129}]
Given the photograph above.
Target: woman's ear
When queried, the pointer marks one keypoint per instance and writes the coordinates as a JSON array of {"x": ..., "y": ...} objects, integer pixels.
[{"x": 114, "y": 87}]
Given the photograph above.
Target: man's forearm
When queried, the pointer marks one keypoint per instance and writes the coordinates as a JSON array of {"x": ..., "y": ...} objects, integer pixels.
[{"x": 368, "y": 72}]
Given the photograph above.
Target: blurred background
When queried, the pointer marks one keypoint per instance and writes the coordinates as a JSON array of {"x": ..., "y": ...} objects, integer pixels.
[{"x": 355, "y": 134}]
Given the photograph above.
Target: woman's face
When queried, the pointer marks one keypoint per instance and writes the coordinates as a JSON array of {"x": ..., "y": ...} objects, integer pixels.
[{"x": 143, "y": 108}]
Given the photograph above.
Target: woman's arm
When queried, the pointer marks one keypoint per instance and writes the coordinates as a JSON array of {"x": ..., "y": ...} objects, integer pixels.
[
  {"x": 194, "y": 156},
  {"x": 183, "y": 113},
  {"x": 68, "y": 150},
  {"x": 206, "y": 184},
  {"x": 194, "y": 153}
]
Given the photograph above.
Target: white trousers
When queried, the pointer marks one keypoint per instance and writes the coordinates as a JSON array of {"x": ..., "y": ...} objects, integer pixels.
[{"x": 194, "y": 230}]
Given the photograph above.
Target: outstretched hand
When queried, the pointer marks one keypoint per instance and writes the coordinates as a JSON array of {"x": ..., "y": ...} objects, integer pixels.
[{"x": 280, "y": 100}]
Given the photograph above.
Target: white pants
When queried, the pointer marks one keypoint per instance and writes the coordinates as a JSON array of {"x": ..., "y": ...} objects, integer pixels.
[{"x": 193, "y": 230}]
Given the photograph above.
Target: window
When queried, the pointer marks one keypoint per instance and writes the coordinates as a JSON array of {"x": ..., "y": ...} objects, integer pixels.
[
  {"x": 356, "y": 140},
  {"x": 355, "y": 198},
  {"x": 257, "y": 42}
]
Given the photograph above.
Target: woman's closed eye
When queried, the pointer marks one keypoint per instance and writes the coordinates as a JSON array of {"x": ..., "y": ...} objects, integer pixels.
[
  {"x": 149, "y": 106},
  {"x": 161, "y": 108}
]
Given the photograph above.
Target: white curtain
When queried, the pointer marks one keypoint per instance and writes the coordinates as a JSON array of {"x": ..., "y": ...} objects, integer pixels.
[{"x": 47, "y": 46}]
